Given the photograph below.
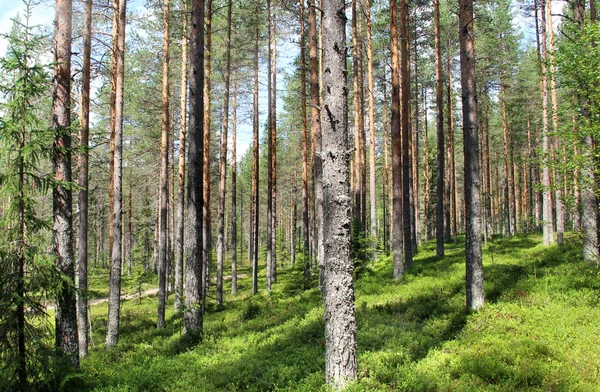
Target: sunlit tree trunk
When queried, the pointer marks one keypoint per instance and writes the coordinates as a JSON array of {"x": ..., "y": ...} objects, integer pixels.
[
  {"x": 114, "y": 300},
  {"x": 396, "y": 146},
  {"x": 181, "y": 164},
  {"x": 315, "y": 125},
  {"x": 474, "y": 267},
  {"x": 223, "y": 163},
  {"x": 83, "y": 166},
  {"x": 340, "y": 314},
  {"x": 441, "y": 157},
  {"x": 255, "y": 174},
  {"x": 66, "y": 307},
  {"x": 164, "y": 174},
  {"x": 206, "y": 224}
]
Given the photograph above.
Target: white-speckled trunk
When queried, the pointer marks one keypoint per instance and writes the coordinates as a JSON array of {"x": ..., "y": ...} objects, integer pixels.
[{"x": 340, "y": 313}]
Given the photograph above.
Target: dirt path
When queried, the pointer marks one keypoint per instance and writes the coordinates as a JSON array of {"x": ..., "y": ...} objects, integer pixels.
[{"x": 143, "y": 294}]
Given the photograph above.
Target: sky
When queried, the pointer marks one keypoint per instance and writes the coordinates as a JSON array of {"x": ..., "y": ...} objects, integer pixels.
[{"x": 43, "y": 14}]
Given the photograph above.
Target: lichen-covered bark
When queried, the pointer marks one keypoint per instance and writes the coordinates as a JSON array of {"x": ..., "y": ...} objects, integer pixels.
[
  {"x": 340, "y": 314},
  {"x": 474, "y": 267}
]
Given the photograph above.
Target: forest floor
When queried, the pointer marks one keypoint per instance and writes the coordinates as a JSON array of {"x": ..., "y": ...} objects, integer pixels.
[{"x": 538, "y": 331}]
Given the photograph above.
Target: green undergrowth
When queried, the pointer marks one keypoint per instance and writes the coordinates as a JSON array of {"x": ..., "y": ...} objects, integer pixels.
[
  {"x": 138, "y": 281},
  {"x": 538, "y": 331}
]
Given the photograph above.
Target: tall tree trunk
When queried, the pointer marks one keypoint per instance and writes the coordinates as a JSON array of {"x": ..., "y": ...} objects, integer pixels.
[
  {"x": 474, "y": 267},
  {"x": 396, "y": 146},
  {"x": 206, "y": 223},
  {"x": 66, "y": 307},
  {"x": 547, "y": 227},
  {"x": 114, "y": 300},
  {"x": 234, "y": 190},
  {"x": 293, "y": 221},
  {"x": 192, "y": 316},
  {"x": 426, "y": 173},
  {"x": 449, "y": 212},
  {"x": 305, "y": 196},
  {"x": 255, "y": 174},
  {"x": 508, "y": 227},
  {"x": 315, "y": 124},
  {"x": 181, "y": 163},
  {"x": 273, "y": 132},
  {"x": 439, "y": 91},
  {"x": 340, "y": 313},
  {"x": 589, "y": 201},
  {"x": 270, "y": 244},
  {"x": 164, "y": 174},
  {"x": 223, "y": 162},
  {"x": 560, "y": 204},
  {"x": 407, "y": 203},
  {"x": 83, "y": 163},
  {"x": 371, "y": 89},
  {"x": 357, "y": 116},
  {"x": 386, "y": 170}
]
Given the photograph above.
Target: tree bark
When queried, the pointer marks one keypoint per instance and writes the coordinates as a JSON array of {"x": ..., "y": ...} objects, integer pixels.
[
  {"x": 372, "y": 169},
  {"x": 396, "y": 146},
  {"x": 270, "y": 205},
  {"x": 315, "y": 123},
  {"x": 83, "y": 169},
  {"x": 206, "y": 223},
  {"x": 234, "y": 190},
  {"x": 192, "y": 316},
  {"x": 223, "y": 162},
  {"x": 439, "y": 91},
  {"x": 407, "y": 202},
  {"x": 114, "y": 300},
  {"x": 255, "y": 173},
  {"x": 560, "y": 203},
  {"x": 66, "y": 308},
  {"x": 547, "y": 227},
  {"x": 181, "y": 164},
  {"x": 305, "y": 196},
  {"x": 164, "y": 174},
  {"x": 474, "y": 267},
  {"x": 340, "y": 314}
]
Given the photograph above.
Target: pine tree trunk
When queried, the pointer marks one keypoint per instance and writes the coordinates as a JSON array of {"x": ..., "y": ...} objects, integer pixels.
[
  {"x": 560, "y": 204},
  {"x": 474, "y": 267},
  {"x": 315, "y": 124},
  {"x": 255, "y": 174},
  {"x": 192, "y": 316},
  {"x": 223, "y": 163},
  {"x": 273, "y": 131},
  {"x": 407, "y": 203},
  {"x": 83, "y": 167},
  {"x": 340, "y": 314},
  {"x": 164, "y": 174},
  {"x": 305, "y": 198},
  {"x": 181, "y": 164},
  {"x": 66, "y": 307},
  {"x": 234, "y": 190},
  {"x": 206, "y": 223},
  {"x": 114, "y": 300},
  {"x": 396, "y": 146},
  {"x": 547, "y": 227},
  {"x": 270, "y": 244},
  {"x": 371, "y": 89},
  {"x": 439, "y": 91}
]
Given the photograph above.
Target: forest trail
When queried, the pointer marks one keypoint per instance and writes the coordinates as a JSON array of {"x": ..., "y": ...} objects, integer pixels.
[{"x": 142, "y": 294}]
